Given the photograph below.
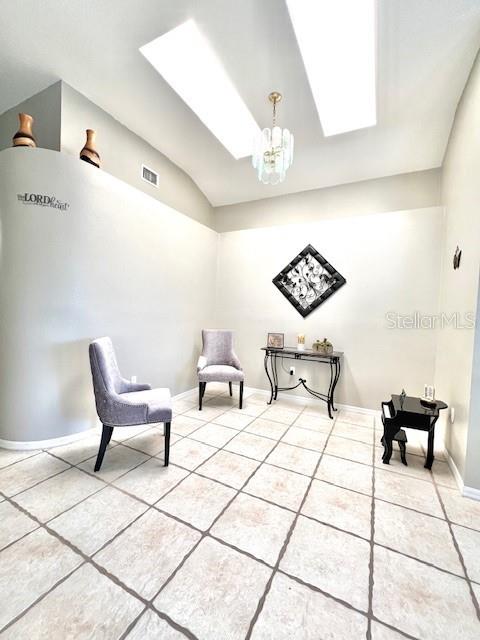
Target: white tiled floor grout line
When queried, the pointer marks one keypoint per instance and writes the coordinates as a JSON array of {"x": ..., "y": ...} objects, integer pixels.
[
  {"x": 90, "y": 558},
  {"x": 457, "y": 548},
  {"x": 372, "y": 549},
  {"x": 261, "y": 603},
  {"x": 207, "y": 531},
  {"x": 265, "y": 461}
]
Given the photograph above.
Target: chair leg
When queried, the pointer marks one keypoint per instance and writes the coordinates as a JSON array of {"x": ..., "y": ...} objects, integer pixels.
[
  {"x": 240, "y": 402},
  {"x": 106, "y": 435},
  {"x": 201, "y": 393},
  {"x": 230, "y": 389},
  {"x": 166, "y": 426}
]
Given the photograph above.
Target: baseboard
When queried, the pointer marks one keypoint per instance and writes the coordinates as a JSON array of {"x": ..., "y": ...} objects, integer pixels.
[
  {"x": 455, "y": 471},
  {"x": 29, "y": 445},
  {"x": 470, "y": 492},
  {"x": 21, "y": 445},
  {"x": 467, "y": 492}
]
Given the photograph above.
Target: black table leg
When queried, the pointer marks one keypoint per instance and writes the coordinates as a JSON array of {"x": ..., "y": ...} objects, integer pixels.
[
  {"x": 403, "y": 452},
  {"x": 335, "y": 380},
  {"x": 265, "y": 362},
  {"x": 275, "y": 375},
  {"x": 431, "y": 440}
]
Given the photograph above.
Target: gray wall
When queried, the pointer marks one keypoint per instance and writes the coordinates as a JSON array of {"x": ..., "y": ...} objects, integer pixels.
[
  {"x": 123, "y": 153},
  {"x": 116, "y": 263},
  {"x": 396, "y": 193},
  {"x": 45, "y": 107},
  {"x": 459, "y": 292}
]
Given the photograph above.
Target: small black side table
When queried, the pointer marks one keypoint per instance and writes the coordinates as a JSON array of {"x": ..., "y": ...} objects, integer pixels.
[{"x": 412, "y": 413}]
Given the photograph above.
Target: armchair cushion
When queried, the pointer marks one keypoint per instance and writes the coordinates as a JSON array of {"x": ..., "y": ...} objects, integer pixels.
[
  {"x": 157, "y": 401},
  {"x": 220, "y": 373}
]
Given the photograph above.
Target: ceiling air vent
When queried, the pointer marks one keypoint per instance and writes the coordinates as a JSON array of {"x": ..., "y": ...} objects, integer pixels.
[{"x": 149, "y": 176}]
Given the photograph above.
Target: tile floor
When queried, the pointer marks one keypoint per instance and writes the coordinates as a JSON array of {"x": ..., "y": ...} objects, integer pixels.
[{"x": 270, "y": 523}]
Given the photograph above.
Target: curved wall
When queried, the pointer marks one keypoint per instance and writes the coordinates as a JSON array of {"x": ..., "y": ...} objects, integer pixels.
[{"x": 117, "y": 263}]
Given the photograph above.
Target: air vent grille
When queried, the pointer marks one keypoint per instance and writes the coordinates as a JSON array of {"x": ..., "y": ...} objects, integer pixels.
[{"x": 149, "y": 176}]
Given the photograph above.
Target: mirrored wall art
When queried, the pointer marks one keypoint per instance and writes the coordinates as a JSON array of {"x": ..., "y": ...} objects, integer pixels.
[{"x": 308, "y": 280}]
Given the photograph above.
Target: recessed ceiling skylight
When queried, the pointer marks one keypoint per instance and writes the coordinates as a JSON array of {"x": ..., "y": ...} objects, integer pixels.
[
  {"x": 337, "y": 42},
  {"x": 186, "y": 60}
]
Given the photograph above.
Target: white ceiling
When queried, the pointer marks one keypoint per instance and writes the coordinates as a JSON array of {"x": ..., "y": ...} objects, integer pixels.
[{"x": 425, "y": 52}]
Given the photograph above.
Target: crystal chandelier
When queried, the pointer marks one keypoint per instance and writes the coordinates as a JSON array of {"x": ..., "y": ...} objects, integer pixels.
[{"x": 273, "y": 149}]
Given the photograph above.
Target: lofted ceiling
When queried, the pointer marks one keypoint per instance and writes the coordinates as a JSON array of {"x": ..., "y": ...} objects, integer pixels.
[{"x": 425, "y": 51}]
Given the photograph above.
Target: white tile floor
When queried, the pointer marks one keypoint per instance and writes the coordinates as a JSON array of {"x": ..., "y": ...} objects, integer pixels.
[{"x": 270, "y": 523}]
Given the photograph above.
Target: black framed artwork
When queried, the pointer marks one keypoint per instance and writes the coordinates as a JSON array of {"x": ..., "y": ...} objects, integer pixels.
[{"x": 308, "y": 280}]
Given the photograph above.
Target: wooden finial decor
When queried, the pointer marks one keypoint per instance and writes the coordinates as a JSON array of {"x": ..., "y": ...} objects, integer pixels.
[
  {"x": 89, "y": 152},
  {"x": 24, "y": 136}
]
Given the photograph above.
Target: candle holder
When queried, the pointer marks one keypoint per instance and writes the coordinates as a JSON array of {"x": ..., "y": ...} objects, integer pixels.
[{"x": 301, "y": 342}]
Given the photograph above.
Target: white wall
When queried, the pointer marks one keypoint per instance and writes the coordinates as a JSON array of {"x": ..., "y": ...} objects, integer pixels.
[
  {"x": 117, "y": 263},
  {"x": 459, "y": 290},
  {"x": 123, "y": 153},
  {"x": 391, "y": 262}
]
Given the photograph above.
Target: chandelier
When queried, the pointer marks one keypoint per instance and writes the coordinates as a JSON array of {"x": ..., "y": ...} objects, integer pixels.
[{"x": 273, "y": 149}]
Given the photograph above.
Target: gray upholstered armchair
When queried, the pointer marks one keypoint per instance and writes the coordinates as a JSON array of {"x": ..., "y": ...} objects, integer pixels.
[
  {"x": 218, "y": 362},
  {"x": 121, "y": 403}
]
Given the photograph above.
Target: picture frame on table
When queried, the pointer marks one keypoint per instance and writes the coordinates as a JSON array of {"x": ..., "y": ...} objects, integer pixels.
[{"x": 276, "y": 340}]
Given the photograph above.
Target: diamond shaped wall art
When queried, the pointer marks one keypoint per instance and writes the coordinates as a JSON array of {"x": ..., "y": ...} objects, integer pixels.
[{"x": 308, "y": 280}]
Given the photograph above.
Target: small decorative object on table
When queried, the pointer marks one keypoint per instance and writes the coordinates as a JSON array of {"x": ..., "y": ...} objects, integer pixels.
[
  {"x": 24, "y": 136},
  {"x": 275, "y": 340},
  {"x": 402, "y": 397},
  {"x": 301, "y": 342},
  {"x": 324, "y": 347},
  {"x": 89, "y": 152},
  {"x": 428, "y": 397}
]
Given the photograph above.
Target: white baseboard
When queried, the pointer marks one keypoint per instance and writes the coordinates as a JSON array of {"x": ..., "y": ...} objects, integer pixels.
[
  {"x": 21, "y": 445},
  {"x": 29, "y": 445},
  {"x": 455, "y": 471},
  {"x": 470, "y": 492},
  {"x": 467, "y": 492}
]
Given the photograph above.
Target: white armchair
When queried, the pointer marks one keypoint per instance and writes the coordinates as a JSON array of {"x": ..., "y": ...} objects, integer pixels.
[{"x": 218, "y": 363}]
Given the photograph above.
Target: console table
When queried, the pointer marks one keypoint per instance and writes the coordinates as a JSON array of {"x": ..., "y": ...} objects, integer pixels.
[
  {"x": 412, "y": 413},
  {"x": 333, "y": 361}
]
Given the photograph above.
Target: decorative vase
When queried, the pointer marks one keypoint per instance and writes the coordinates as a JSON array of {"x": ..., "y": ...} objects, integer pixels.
[
  {"x": 324, "y": 347},
  {"x": 24, "y": 136},
  {"x": 89, "y": 152},
  {"x": 301, "y": 342}
]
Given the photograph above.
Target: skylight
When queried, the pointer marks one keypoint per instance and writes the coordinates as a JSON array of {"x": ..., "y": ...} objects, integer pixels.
[
  {"x": 337, "y": 42},
  {"x": 187, "y": 62}
]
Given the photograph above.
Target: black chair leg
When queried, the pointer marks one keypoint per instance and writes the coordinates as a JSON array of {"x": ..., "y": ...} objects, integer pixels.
[
  {"x": 106, "y": 435},
  {"x": 201, "y": 393},
  {"x": 167, "y": 443},
  {"x": 230, "y": 389},
  {"x": 240, "y": 402}
]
